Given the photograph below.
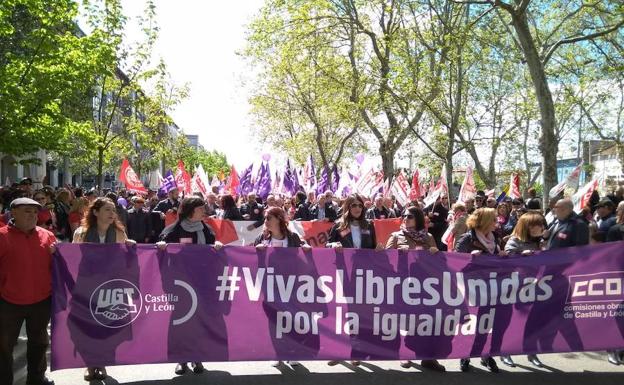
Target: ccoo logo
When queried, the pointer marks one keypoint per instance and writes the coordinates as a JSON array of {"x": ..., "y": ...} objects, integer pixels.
[{"x": 115, "y": 303}]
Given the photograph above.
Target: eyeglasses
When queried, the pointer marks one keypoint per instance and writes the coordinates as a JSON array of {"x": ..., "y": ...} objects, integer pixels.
[
  {"x": 408, "y": 216},
  {"x": 356, "y": 205}
]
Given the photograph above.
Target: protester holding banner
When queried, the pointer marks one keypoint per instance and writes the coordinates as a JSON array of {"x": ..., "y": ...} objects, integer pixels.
[
  {"x": 525, "y": 240},
  {"x": 189, "y": 228},
  {"x": 481, "y": 239},
  {"x": 100, "y": 225},
  {"x": 414, "y": 236},
  {"x": 276, "y": 234},
  {"x": 353, "y": 231},
  {"x": 25, "y": 289}
]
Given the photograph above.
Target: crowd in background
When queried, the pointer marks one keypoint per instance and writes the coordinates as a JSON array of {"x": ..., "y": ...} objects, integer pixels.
[{"x": 480, "y": 225}]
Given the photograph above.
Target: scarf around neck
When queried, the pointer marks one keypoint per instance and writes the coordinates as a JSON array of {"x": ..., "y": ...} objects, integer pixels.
[
  {"x": 488, "y": 241},
  {"x": 92, "y": 235},
  {"x": 194, "y": 227},
  {"x": 418, "y": 236}
]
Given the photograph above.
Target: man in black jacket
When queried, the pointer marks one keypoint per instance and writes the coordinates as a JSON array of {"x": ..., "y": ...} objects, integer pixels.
[
  {"x": 568, "y": 229},
  {"x": 323, "y": 210},
  {"x": 139, "y": 223},
  {"x": 378, "y": 211}
]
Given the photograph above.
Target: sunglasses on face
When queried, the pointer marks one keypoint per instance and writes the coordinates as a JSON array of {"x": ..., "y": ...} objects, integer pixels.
[
  {"x": 408, "y": 216},
  {"x": 354, "y": 205}
]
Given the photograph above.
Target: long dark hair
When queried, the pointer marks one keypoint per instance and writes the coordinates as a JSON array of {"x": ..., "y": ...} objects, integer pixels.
[
  {"x": 89, "y": 220},
  {"x": 187, "y": 206},
  {"x": 347, "y": 218},
  {"x": 227, "y": 202},
  {"x": 280, "y": 214},
  {"x": 419, "y": 216}
]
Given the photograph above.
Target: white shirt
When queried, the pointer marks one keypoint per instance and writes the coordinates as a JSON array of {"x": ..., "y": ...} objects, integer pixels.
[
  {"x": 279, "y": 242},
  {"x": 356, "y": 235}
]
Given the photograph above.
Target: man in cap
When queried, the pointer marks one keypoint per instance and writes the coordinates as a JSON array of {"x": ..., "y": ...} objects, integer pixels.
[
  {"x": 25, "y": 185},
  {"x": 25, "y": 290},
  {"x": 605, "y": 217}
]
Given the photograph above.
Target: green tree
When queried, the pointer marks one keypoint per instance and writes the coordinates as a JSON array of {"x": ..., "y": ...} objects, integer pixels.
[{"x": 46, "y": 66}]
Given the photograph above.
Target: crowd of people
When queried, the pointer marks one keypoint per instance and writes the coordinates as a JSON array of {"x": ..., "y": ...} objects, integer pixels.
[{"x": 33, "y": 221}]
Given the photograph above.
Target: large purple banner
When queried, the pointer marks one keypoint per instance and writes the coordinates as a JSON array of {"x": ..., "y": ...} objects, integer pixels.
[{"x": 116, "y": 305}]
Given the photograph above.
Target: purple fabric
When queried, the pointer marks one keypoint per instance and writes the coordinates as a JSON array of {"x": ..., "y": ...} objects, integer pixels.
[
  {"x": 115, "y": 305},
  {"x": 290, "y": 179},
  {"x": 169, "y": 182},
  {"x": 245, "y": 186},
  {"x": 263, "y": 186},
  {"x": 323, "y": 183}
]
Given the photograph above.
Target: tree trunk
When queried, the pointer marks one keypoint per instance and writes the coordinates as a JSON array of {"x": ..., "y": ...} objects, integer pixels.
[
  {"x": 100, "y": 168},
  {"x": 548, "y": 141},
  {"x": 387, "y": 161}
]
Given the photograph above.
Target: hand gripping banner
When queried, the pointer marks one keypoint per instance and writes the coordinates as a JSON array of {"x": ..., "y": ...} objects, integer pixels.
[{"x": 116, "y": 305}]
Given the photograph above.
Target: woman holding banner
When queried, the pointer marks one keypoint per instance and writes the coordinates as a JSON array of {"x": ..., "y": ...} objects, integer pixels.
[
  {"x": 354, "y": 231},
  {"x": 482, "y": 239},
  {"x": 189, "y": 228},
  {"x": 414, "y": 236},
  {"x": 276, "y": 234},
  {"x": 526, "y": 239},
  {"x": 99, "y": 225}
]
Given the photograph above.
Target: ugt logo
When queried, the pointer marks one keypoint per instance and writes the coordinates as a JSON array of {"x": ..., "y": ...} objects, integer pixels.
[{"x": 115, "y": 303}]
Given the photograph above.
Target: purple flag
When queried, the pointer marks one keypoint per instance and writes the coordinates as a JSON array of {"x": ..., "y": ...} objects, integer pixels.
[
  {"x": 168, "y": 183},
  {"x": 194, "y": 303},
  {"x": 245, "y": 186},
  {"x": 290, "y": 182},
  {"x": 263, "y": 187},
  {"x": 323, "y": 184}
]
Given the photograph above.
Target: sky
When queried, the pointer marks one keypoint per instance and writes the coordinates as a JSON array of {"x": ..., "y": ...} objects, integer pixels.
[{"x": 198, "y": 40}]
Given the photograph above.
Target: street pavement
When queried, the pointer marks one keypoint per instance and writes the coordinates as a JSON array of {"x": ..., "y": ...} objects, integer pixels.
[{"x": 589, "y": 368}]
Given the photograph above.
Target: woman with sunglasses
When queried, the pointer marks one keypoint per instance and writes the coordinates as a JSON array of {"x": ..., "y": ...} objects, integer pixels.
[
  {"x": 353, "y": 231},
  {"x": 414, "y": 236},
  {"x": 482, "y": 239},
  {"x": 276, "y": 234}
]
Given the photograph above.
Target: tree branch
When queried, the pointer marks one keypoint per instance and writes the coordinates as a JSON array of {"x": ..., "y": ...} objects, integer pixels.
[{"x": 576, "y": 39}]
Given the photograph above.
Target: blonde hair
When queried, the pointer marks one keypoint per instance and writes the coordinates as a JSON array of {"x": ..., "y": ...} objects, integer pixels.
[
  {"x": 79, "y": 205},
  {"x": 522, "y": 231},
  {"x": 481, "y": 218}
]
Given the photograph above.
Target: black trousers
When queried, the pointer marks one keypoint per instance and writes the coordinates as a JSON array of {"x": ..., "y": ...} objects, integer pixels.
[{"x": 37, "y": 317}]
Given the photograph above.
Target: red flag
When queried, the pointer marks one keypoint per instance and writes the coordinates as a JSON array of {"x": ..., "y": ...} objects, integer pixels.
[
  {"x": 183, "y": 179},
  {"x": 198, "y": 185},
  {"x": 415, "y": 191},
  {"x": 130, "y": 178},
  {"x": 385, "y": 227},
  {"x": 233, "y": 181},
  {"x": 514, "y": 186}
]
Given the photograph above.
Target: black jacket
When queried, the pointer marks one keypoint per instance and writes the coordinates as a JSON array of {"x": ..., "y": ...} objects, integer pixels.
[
  {"x": 369, "y": 240},
  {"x": 166, "y": 205},
  {"x": 573, "y": 231},
  {"x": 139, "y": 226},
  {"x": 173, "y": 233},
  {"x": 232, "y": 214},
  {"x": 330, "y": 212},
  {"x": 383, "y": 213},
  {"x": 302, "y": 213}
]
